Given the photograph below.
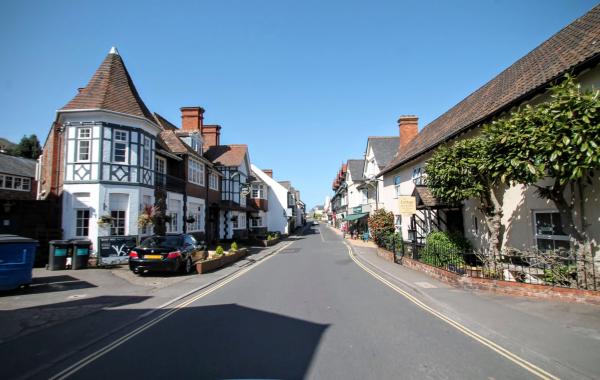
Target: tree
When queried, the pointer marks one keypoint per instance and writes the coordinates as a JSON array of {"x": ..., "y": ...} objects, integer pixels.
[
  {"x": 28, "y": 147},
  {"x": 558, "y": 140},
  {"x": 381, "y": 224},
  {"x": 456, "y": 173}
]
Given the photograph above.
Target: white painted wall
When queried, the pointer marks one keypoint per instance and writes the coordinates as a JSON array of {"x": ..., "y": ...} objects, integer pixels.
[{"x": 277, "y": 198}]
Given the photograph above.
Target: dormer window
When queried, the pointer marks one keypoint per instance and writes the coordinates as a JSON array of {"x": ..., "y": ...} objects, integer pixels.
[{"x": 196, "y": 143}]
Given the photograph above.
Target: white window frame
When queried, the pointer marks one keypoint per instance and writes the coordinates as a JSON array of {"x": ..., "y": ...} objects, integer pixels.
[
  {"x": 114, "y": 225},
  {"x": 13, "y": 183},
  {"x": 550, "y": 237},
  {"x": 213, "y": 181},
  {"x": 77, "y": 210},
  {"x": 397, "y": 183},
  {"x": 147, "y": 153},
  {"x": 417, "y": 176},
  {"x": 84, "y": 138},
  {"x": 195, "y": 210},
  {"x": 120, "y": 141},
  {"x": 195, "y": 172},
  {"x": 253, "y": 221},
  {"x": 364, "y": 196},
  {"x": 260, "y": 191}
]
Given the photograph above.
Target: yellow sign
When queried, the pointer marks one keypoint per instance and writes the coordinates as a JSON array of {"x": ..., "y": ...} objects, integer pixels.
[{"x": 407, "y": 204}]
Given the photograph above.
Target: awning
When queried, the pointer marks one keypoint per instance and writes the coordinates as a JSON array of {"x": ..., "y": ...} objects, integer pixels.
[{"x": 356, "y": 216}]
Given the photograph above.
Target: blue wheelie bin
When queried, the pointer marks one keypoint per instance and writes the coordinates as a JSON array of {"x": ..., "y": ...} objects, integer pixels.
[{"x": 16, "y": 261}]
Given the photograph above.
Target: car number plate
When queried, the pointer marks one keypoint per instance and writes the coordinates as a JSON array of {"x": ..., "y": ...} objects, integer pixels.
[{"x": 153, "y": 257}]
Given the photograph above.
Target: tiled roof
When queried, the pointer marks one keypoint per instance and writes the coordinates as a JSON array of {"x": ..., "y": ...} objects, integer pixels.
[
  {"x": 17, "y": 165},
  {"x": 356, "y": 168},
  {"x": 227, "y": 155},
  {"x": 384, "y": 148},
  {"x": 575, "y": 44},
  {"x": 112, "y": 89},
  {"x": 163, "y": 123}
]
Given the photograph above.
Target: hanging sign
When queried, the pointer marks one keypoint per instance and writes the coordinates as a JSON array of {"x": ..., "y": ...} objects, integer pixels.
[{"x": 407, "y": 204}]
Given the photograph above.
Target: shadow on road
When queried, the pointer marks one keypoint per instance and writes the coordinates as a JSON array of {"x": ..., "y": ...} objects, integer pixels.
[
  {"x": 219, "y": 342},
  {"x": 49, "y": 284}
]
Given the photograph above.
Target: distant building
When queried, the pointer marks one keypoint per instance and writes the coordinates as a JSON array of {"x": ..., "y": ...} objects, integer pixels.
[{"x": 17, "y": 177}]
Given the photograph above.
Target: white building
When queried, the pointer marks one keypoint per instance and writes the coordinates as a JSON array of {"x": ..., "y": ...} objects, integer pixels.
[{"x": 277, "y": 196}]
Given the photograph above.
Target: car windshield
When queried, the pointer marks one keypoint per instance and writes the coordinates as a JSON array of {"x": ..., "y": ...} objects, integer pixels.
[{"x": 162, "y": 242}]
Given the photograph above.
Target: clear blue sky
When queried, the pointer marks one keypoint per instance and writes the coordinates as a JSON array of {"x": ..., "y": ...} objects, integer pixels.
[{"x": 303, "y": 83}]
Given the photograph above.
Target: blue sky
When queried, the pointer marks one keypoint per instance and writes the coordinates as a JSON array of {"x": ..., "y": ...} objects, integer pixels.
[{"x": 303, "y": 83}]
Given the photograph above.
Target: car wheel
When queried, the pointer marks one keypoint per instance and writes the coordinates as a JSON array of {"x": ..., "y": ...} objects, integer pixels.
[{"x": 188, "y": 266}]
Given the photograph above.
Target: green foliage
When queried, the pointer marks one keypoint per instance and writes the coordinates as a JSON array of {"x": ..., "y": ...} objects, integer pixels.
[
  {"x": 443, "y": 248},
  {"x": 392, "y": 242},
  {"x": 28, "y": 147},
  {"x": 234, "y": 246},
  {"x": 457, "y": 172},
  {"x": 563, "y": 275},
  {"x": 273, "y": 235},
  {"x": 219, "y": 251},
  {"x": 559, "y": 138},
  {"x": 381, "y": 224}
]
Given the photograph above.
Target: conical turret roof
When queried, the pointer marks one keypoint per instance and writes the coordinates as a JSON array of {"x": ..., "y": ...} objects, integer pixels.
[{"x": 111, "y": 89}]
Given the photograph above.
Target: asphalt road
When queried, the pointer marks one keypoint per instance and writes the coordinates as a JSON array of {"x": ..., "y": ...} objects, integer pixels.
[{"x": 307, "y": 312}]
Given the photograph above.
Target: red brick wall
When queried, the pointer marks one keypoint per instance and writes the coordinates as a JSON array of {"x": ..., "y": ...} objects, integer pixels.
[
  {"x": 409, "y": 128},
  {"x": 506, "y": 287},
  {"x": 52, "y": 163},
  {"x": 385, "y": 254}
]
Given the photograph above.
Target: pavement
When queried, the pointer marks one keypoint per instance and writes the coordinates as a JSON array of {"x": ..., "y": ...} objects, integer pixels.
[{"x": 309, "y": 310}]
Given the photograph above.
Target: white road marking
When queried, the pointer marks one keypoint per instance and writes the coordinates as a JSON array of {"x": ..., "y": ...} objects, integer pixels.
[
  {"x": 530, "y": 367},
  {"x": 111, "y": 346}
]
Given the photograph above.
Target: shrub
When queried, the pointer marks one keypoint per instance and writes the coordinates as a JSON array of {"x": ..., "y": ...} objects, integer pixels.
[
  {"x": 392, "y": 242},
  {"x": 443, "y": 248},
  {"x": 219, "y": 251},
  {"x": 381, "y": 224},
  {"x": 234, "y": 246}
]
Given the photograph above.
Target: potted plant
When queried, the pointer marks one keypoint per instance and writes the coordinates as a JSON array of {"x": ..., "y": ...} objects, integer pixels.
[{"x": 105, "y": 221}]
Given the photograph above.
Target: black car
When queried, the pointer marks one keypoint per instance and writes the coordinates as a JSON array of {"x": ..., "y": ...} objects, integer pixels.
[{"x": 164, "y": 253}]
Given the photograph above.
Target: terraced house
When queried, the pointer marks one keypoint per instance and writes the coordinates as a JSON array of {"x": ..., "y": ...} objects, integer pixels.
[
  {"x": 528, "y": 220},
  {"x": 108, "y": 159}
]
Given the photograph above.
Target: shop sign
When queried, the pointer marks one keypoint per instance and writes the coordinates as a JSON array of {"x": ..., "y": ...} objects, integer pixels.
[
  {"x": 115, "y": 249},
  {"x": 357, "y": 210},
  {"x": 407, "y": 204}
]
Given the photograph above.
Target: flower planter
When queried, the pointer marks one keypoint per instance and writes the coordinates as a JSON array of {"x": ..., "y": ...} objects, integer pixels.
[
  {"x": 269, "y": 243},
  {"x": 200, "y": 255},
  {"x": 209, "y": 265},
  {"x": 215, "y": 263}
]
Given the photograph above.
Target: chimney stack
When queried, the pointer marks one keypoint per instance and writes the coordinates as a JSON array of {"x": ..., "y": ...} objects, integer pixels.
[
  {"x": 409, "y": 128},
  {"x": 211, "y": 136},
  {"x": 192, "y": 119},
  {"x": 268, "y": 172}
]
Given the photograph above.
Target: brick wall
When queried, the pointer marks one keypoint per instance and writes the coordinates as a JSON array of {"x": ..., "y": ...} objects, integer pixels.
[
  {"x": 506, "y": 287},
  {"x": 385, "y": 254}
]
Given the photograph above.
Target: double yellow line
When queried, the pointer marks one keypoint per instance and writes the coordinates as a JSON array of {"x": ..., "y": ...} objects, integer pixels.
[
  {"x": 111, "y": 346},
  {"x": 530, "y": 367}
]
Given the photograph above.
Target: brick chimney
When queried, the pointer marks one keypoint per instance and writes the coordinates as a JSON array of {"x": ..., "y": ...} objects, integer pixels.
[
  {"x": 268, "y": 172},
  {"x": 211, "y": 135},
  {"x": 409, "y": 128},
  {"x": 192, "y": 118}
]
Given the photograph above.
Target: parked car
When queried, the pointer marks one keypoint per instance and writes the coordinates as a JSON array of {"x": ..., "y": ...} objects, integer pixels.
[{"x": 172, "y": 253}]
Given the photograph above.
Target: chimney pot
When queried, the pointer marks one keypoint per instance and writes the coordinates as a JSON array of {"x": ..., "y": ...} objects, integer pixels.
[{"x": 268, "y": 172}]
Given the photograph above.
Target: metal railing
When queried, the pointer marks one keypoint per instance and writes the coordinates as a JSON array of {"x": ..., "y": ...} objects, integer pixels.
[
  {"x": 560, "y": 268},
  {"x": 551, "y": 268}
]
